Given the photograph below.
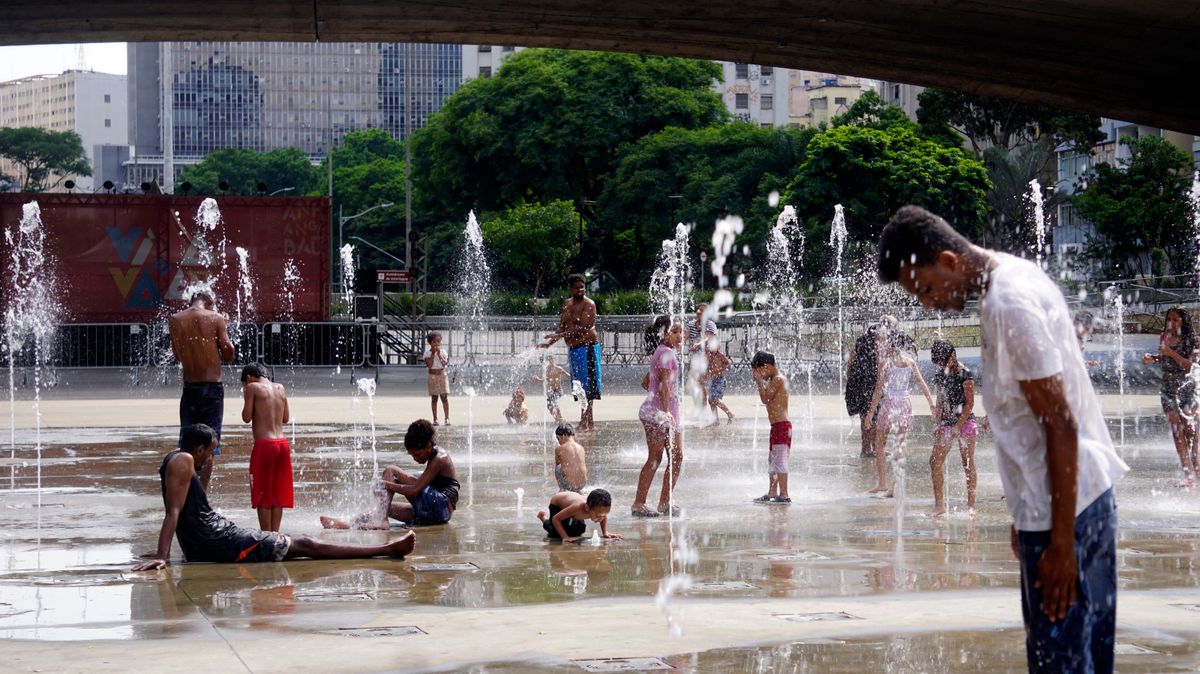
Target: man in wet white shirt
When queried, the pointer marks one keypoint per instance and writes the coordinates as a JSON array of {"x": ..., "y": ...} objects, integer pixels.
[{"x": 1055, "y": 456}]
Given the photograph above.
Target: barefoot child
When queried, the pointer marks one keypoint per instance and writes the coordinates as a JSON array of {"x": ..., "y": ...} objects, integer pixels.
[
  {"x": 569, "y": 511},
  {"x": 431, "y": 496},
  {"x": 712, "y": 383},
  {"x": 516, "y": 412},
  {"x": 570, "y": 467},
  {"x": 893, "y": 407},
  {"x": 955, "y": 422},
  {"x": 439, "y": 386},
  {"x": 265, "y": 408},
  {"x": 554, "y": 387},
  {"x": 772, "y": 391}
]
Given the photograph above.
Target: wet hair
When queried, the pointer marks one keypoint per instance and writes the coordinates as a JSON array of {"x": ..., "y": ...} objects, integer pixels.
[
  {"x": 201, "y": 294},
  {"x": 1085, "y": 318},
  {"x": 432, "y": 336},
  {"x": 564, "y": 429},
  {"x": 762, "y": 358},
  {"x": 1186, "y": 333},
  {"x": 915, "y": 237},
  {"x": 573, "y": 278},
  {"x": 254, "y": 370},
  {"x": 196, "y": 436},
  {"x": 655, "y": 332},
  {"x": 902, "y": 341},
  {"x": 599, "y": 498},
  {"x": 940, "y": 352},
  {"x": 419, "y": 434}
]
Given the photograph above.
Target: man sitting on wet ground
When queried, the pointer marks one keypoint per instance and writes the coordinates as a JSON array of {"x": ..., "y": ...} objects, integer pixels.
[
  {"x": 431, "y": 496},
  {"x": 569, "y": 511},
  {"x": 206, "y": 536}
]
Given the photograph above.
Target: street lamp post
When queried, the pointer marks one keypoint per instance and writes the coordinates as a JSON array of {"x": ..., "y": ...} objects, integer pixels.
[
  {"x": 284, "y": 189},
  {"x": 703, "y": 257},
  {"x": 342, "y": 220}
]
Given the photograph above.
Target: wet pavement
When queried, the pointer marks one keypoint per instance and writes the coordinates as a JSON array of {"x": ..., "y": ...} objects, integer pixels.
[{"x": 825, "y": 584}]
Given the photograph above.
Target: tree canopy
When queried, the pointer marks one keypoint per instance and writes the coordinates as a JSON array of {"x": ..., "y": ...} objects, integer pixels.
[
  {"x": 1143, "y": 203},
  {"x": 988, "y": 121},
  {"x": 534, "y": 243},
  {"x": 244, "y": 169},
  {"x": 43, "y": 158}
]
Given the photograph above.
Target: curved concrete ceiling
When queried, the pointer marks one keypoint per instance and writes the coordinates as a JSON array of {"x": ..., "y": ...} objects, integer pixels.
[{"x": 1136, "y": 60}]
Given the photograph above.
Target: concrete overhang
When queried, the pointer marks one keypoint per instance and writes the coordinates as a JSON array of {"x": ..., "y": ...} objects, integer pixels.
[{"x": 1137, "y": 60}]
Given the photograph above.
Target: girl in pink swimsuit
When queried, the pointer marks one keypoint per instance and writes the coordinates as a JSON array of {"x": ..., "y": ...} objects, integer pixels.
[
  {"x": 896, "y": 371},
  {"x": 659, "y": 415}
]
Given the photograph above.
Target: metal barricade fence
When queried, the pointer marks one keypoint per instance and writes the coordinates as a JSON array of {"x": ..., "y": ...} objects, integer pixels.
[
  {"x": 101, "y": 345},
  {"x": 316, "y": 344}
]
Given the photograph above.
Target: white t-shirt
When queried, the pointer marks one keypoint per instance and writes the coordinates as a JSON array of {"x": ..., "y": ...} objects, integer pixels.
[
  {"x": 1028, "y": 334},
  {"x": 438, "y": 364}
]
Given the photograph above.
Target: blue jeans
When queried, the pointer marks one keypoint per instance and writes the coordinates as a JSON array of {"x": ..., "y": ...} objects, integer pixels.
[{"x": 1083, "y": 641}]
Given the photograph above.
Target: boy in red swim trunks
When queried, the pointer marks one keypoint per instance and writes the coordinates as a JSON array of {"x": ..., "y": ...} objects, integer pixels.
[
  {"x": 266, "y": 409},
  {"x": 772, "y": 391}
]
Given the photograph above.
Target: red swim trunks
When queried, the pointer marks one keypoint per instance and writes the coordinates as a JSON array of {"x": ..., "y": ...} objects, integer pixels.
[
  {"x": 780, "y": 447},
  {"x": 271, "y": 474}
]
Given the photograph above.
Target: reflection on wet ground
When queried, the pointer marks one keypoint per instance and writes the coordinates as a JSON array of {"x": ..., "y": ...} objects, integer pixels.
[{"x": 64, "y": 566}]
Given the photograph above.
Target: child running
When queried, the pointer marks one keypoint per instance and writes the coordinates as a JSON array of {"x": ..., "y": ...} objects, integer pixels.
[
  {"x": 554, "y": 388},
  {"x": 569, "y": 512},
  {"x": 431, "y": 496},
  {"x": 772, "y": 391},
  {"x": 893, "y": 408},
  {"x": 265, "y": 408},
  {"x": 517, "y": 412},
  {"x": 712, "y": 382},
  {"x": 439, "y": 385},
  {"x": 955, "y": 422},
  {"x": 570, "y": 465}
]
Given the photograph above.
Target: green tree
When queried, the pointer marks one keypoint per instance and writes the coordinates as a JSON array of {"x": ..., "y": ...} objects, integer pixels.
[
  {"x": 244, "y": 169},
  {"x": 988, "y": 121},
  {"x": 534, "y": 242},
  {"x": 550, "y": 125},
  {"x": 695, "y": 176},
  {"x": 874, "y": 171},
  {"x": 1141, "y": 204},
  {"x": 43, "y": 158},
  {"x": 368, "y": 170}
]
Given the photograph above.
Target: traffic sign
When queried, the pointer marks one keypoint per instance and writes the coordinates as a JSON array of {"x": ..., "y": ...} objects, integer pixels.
[{"x": 391, "y": 276}]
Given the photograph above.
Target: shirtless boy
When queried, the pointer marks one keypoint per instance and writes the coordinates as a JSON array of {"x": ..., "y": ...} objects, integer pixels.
[
  {"x": 517, "y": 412},
  {"x": 554, "y": 386},
  {"x": 200, "y": 342},
  {"x": 569, "y": 511},
  {"x": 431, "y": 496},
  {"x": 265, "y": 408},
  {"x": 772, "y": 391},
  {"x": 712, "y": 383},
  {"x": 206, "y": 536},
  {"x": 570, "y": 464},
  {"x": 577, "y": 326}
]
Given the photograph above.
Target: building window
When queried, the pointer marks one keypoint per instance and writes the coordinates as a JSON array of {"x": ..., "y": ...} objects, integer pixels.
[
  {"x": 766, "y": 102},
  {"x": 485, "y": 48},
  {"x": 485, "y": 71},
  {"x": 741, "y": 71},
  {"x": 895, "y": 92},
  {"x": 767, "y": 71},
  {"x": 509, "y": 48},
  {"x": 108, "y": 123},
  {"x": 108, "y": 98},
  {"x": 839, "y": 100},
  {"x": 765, "y": 125},
  {"x": 741, "y": 101}
]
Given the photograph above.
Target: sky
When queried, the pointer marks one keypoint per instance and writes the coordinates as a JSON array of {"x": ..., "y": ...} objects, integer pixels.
[{"x": 18, "y": 62}]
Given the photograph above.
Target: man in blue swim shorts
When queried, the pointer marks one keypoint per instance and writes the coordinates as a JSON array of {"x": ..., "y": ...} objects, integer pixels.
[{"x": 577, "y": 327}]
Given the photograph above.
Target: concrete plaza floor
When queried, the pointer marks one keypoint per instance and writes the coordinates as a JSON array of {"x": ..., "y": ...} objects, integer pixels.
[{"x": 830, "y": 583}]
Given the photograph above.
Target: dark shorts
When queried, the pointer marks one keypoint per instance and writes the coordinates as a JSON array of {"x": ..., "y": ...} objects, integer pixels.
[
  {"x": 202, "y": 402},
  {"x": 573, "y": 527},
  {"x": 241, "y": 546},
  {"x": 585, "y": 368},
  {"x": 1083, "y": 641},
  {"x": 552, "y": 397},
  {"x": 716, "y": 389},
  {"x": 431, "y": 507},
  {"x": 1177, "y": 393}
]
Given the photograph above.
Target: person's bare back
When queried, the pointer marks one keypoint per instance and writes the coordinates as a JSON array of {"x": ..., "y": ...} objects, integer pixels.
[
  {"x": 265, "y": 408},
  {"x": 200, "y": 341},
  {"x": 570, "y": 464}
]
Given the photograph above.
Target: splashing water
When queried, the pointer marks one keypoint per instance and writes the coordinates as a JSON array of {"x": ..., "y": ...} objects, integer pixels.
[
  {"x": 245, "y": 294},
  {"x": 579, "y": 394},
  {"x": 1039, "y": 219},
  {"x": 1195, "y": 194},
  {"x": 30, "y": 318},
  {"x": 683, "y": 557},
  {"x": 1118, "y": 303},
  {"x": 520, "y": 497},
  {"x": 291, "y": 285},
  {"x": 837, "y": 238},
  {"x": 348, "y": 272},
  {"x": 367, "y": 387},
  {"x": 474, "y": 284}
]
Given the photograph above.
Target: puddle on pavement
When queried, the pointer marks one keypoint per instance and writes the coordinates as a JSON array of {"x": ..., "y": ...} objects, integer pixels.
[
  {"x": 64, "y": 567},
  {"x": 816, "y": 617},
  {"x": 395, "y": 631},
  {"x": 623, "y": 665}
]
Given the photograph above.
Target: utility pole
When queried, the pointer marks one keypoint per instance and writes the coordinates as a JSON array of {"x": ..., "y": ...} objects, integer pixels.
[{"x": 408, "y": 156}]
